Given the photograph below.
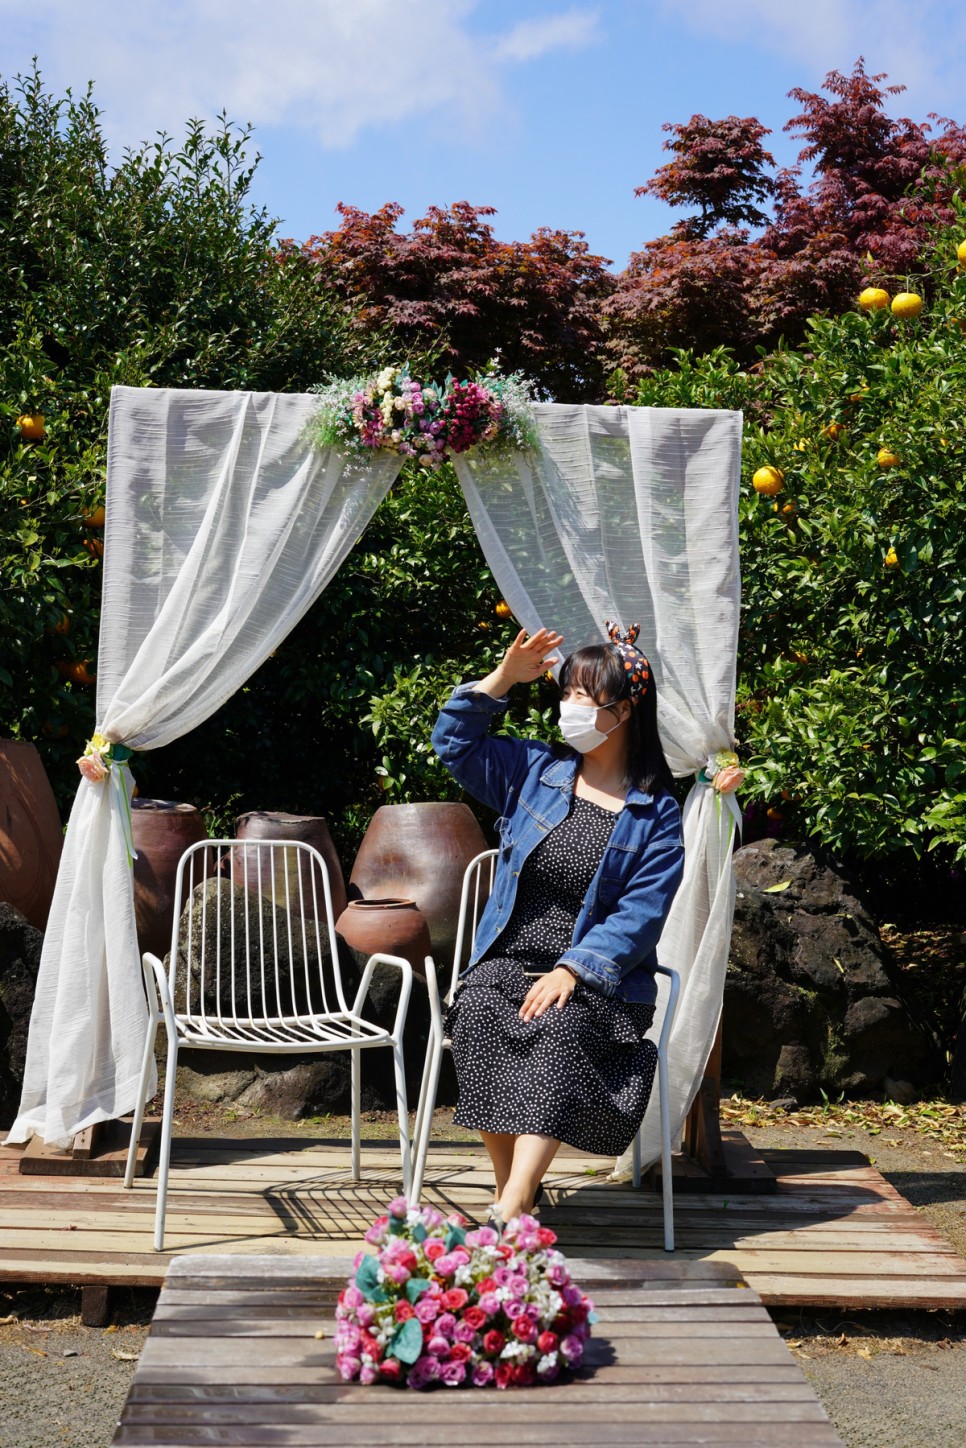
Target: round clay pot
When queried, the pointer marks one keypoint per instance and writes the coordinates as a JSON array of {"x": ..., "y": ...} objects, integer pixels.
[
  {"x": 309, "y": 830},
  {"x": 420, "y": 851},
  {"x": 392, "y": 926},
  {"x": 30, "y": 832},
  {"x": 163, "y": 830}
]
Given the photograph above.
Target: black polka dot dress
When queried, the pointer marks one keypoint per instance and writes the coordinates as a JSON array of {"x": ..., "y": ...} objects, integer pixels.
[{"x": 582, "y": 1074}]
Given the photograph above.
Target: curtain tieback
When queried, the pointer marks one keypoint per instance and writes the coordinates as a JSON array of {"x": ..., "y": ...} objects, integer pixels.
[
  {"x": 721, "y": 774},
  {"x": 104, "y": 761}
]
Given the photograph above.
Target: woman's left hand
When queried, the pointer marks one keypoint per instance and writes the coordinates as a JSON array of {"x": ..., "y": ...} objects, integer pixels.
[{"x": 554, "y": 988}]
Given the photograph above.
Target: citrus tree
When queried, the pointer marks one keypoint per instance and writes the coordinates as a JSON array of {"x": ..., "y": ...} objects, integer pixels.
[
  {"x": 157, "y": 271},
  {"x": 851, "y": 691}
]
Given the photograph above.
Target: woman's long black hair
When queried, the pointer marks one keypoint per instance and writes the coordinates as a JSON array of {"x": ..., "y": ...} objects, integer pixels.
[{"x": 598, "y": 670}]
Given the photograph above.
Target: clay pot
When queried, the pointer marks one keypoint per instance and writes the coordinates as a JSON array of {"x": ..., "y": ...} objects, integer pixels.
[
  {"x": 420, "y": 851},
  {"x": 392, "y": 926},
  {"x": 163, "y": 830},
  {"x": 310, "y": 830},
  {"x": 30, "y": 832}
]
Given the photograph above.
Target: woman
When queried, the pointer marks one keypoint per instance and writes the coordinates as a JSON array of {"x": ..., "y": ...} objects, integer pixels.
[{"x": 548, "y": 1022}]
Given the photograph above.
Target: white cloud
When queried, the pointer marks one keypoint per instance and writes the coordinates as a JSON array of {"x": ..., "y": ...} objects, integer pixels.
[
  {"x": 918, "y": 43},
  {"x": 530, "y": 39},
  {"x": 330, "y": 67}
]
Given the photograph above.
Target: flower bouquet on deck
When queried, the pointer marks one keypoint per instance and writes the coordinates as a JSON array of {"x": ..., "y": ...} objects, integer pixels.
[{"x": 440, "y": 1304}]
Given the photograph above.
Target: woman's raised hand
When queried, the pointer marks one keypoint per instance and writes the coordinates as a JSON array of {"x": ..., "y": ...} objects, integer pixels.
[
  {"x": 525, "y": 660},
  {"x": 530, "y": 656}
]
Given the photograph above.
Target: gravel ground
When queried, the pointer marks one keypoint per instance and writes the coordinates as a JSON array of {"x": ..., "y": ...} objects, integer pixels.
[{"x": 888, "y": 1380}]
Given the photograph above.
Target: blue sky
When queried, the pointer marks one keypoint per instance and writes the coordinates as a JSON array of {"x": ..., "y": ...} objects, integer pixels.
[{"x": 549, "y": 110}]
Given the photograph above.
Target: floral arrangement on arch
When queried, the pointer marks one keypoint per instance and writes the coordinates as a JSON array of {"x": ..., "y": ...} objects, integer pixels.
[
  {"x": 426, "y": 421},
  {"x": 438, "y": 1304},
  {"x": 722, "y": 772}
]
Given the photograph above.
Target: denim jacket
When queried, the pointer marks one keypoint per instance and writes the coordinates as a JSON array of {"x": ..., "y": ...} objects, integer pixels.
[{"x": 530, "y": 785}]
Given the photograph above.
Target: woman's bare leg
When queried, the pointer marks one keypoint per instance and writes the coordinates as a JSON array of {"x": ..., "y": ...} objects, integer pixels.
[
  {"x": 531, "y": 1157},
  {"x": 500, "y": 1145}
]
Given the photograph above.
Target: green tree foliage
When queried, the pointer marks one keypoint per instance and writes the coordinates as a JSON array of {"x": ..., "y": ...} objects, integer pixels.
[
  {"x": 155, "y": 272},
  {"x": 852, "y": 700}
]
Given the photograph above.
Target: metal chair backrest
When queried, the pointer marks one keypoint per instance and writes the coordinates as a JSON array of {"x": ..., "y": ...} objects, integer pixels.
[
  {"x": 477, "y": 886},
  {"x": 253, "y": 938}
]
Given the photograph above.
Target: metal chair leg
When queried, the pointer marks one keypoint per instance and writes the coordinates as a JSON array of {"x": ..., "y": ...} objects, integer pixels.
[
  {"x": 164, "y": 1157},
  {"x": 139, "y": 1110},
  {"x": 356, "y": 1113}
]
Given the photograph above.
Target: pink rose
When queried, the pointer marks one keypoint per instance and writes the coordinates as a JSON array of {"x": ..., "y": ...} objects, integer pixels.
[
  {"x": 92, "y": 767},
  {"x": 482, "y": 1375},
  {"x": 349, "y": 1367},
  {"x": 524, "y": 1330},
  {"x": 460, "y": 1352},
  {"x": 433, "y": 1249},
  {"x": 490, "y": 1304},
  {"x": 475, "y": 1317},
  {"x": 728, "y": 779},
  {"x": 455, "y": 1298},
  {"x": 368, "y": 1374},
  {"x": 391, "y": 1368},
  {"x": 572, "y": 1349},
  {"x": 452, "y": 1374},
  {"x": 427, "y": 1307}
]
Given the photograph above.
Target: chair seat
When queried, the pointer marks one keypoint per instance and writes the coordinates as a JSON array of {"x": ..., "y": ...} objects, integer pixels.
[{"x": 281, "y": 1033}]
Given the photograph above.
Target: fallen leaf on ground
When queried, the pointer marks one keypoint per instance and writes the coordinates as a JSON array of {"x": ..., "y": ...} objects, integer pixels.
[{"x": 126, "y": 1357}]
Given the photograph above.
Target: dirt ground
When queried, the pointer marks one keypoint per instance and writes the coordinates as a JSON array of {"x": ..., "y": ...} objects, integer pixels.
[{"x": 888, "y": 1380}]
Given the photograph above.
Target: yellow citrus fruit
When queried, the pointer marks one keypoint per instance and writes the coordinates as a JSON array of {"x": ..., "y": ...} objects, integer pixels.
[
  {"x": 891, "y": 559},
  {"x": 502, "y": 609},
  {"x": 961, "y": 252},
  {"x": 789, "y": 510},
  {"x": 886, "y": 458},
  {"x": 833, "y": 431},
  {"x": 768, "y": 481},
  {"x": 31, "y": 425},
  {"x": 95, "y": 518},
  {"x": 906, "y": 304},
  {"x": 775, "y": 815},
  {"x": 94, "y": 547},
  {"x": 873, "y": 299}
]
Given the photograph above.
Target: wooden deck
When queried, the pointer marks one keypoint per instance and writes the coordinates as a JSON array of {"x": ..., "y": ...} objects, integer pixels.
[
  {"x": 681, "y": 1355},
  {"x": 834, "y": 1234}
]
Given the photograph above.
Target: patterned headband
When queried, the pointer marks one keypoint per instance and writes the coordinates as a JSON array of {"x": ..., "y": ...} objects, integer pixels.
[{"x": 636, "y": 667}]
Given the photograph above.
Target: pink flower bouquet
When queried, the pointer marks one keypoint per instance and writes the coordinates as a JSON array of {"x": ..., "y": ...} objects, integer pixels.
[
  {"x": 425, "y": 421},
  {"x": 440, "y": 1304}
]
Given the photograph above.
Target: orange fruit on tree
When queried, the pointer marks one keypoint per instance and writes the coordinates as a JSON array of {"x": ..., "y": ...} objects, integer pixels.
[
  {"x": 961, "y": 252},
  {"x": 61, "y": 625},
  {"x": 775, "y": 815},
  {"x": 503, "y": 610},
  {"x": 31, "y": 425},
  {"x": 768, "y": 481},
  {"x": 906, "y": 305},
  {"x": 94, "y": 547},
  {"x": 873, "y": 299},
  {"x": 886, "y": 458},
  {"x": 833, "y": 431},
  {"x": 94, "y": 519},
  {"x": 80, "y": 672},
  {"x": 789, "y": 510},
  {"x": 891, "y": 559}
]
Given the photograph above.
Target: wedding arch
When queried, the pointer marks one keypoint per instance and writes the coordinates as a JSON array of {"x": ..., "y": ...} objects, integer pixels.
[{"x": 224, "y": 524}]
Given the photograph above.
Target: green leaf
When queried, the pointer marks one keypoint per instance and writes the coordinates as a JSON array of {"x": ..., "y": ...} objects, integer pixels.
[
  {"x": 367, "y": 1280},
  {"x": 416, "y": 1286},
  {"x": 455, "y": 1237},
  {"x": 776, "y": 889},
  {"x": 406, "y": 1343}
]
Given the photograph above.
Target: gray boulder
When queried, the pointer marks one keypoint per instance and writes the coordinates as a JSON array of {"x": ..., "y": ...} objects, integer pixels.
[
  {"x": 812, "y": 1001},
  {"x": 20, "y": 947}
]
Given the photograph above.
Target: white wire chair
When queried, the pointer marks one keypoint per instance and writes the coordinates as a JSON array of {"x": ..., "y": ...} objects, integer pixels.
[
  {"x": 477, "y": 885},
  {"x": 254, "y": 967}
]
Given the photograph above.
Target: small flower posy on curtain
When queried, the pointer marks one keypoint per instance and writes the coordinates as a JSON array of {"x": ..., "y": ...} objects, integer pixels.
[
  {"x": 99, "y": 756},
  {"x": 440, "y": 1305},
  {"x": 722, "y": 772},
  {"x": 392, "y": 412}
]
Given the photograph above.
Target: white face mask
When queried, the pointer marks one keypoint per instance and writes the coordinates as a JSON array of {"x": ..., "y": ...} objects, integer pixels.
[{"x": 578, "y": 725}]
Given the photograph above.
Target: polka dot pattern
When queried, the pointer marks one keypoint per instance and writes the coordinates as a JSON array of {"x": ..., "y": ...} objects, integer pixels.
[{"x": 582, "y": 1074}]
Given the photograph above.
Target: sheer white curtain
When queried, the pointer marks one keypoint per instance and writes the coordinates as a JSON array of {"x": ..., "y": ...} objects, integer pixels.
[
  {"x": 223, "y": 527},
  {"x": 632, "y": 514}
]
